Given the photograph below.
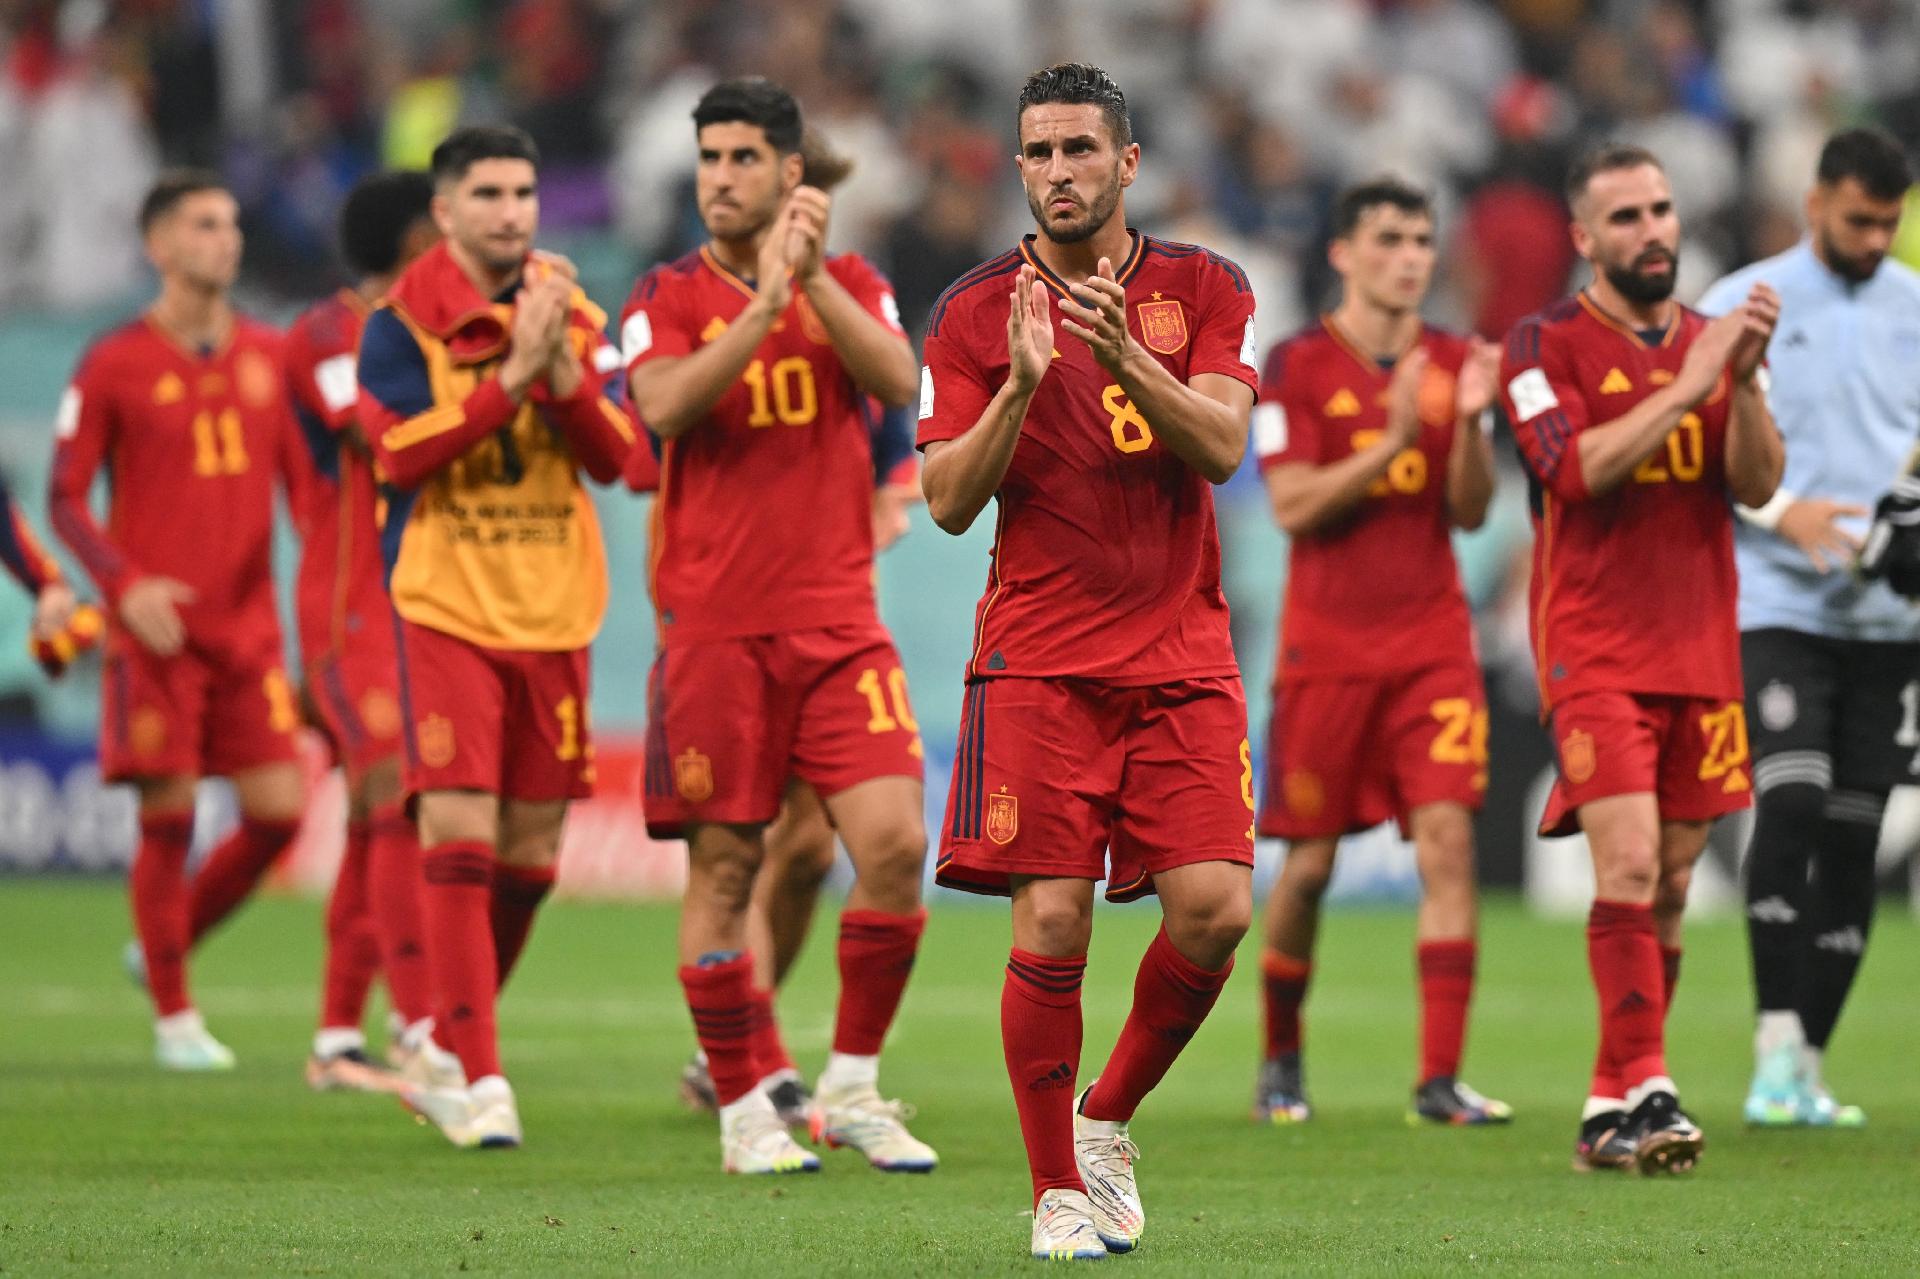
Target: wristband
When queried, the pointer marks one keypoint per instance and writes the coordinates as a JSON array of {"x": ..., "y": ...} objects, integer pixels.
[{"x": 1768, "y": 516}]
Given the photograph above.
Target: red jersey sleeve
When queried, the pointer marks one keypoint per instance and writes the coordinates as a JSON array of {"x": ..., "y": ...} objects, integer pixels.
[
  {"x": 953, "y": 387},
  {"x": 654, "y": 325},
  {"x": 869, "y": 288},
  {"x": 1223, "y": 339},
  {"x": 1285, "y": 427},
  {"x": 83, "y": 436},
  {"x": 1546, "y": 407}
]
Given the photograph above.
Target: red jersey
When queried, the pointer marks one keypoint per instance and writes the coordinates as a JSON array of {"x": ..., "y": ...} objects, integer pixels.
[
  {"x": 193, "y": 443},
  {"x": 1106, "y": 560},
  {"x": 341, "y": 596},
  {"x": 764, "y": 521},
  {"x": 1379, "y": 592},
  {"x": 1633, "y": 591}
]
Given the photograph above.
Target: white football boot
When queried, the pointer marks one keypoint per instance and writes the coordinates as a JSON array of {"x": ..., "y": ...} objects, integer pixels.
[
  {"x": 1104, "y": 1156},
  {"x": 495, "y": 1120},
  {"x": 753, "y": 1140},
  {"x": 860, "y": 1119},
  {"x": 1063, "y": 1228},
  {"x": 181, "y": 1042}
]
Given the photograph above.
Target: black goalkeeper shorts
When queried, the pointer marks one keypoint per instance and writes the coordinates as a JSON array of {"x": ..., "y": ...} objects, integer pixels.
[{"x": 1854, "y": 702}]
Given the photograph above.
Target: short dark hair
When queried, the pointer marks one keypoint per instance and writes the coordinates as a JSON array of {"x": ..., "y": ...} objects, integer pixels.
[
  {"x": 466, "y": 147},
  {"x": 1871, "y": 157},
  {"x": 1353, "y": 203},
  {"x": 1605, "y": 158},
  {"x": 822, "y": 166},
  {"x": 376, "y": 216},
  {"x": 753, "y": 100},
  {"x": 172, "y": 187},
  {"x": 1077, "y": 84}
]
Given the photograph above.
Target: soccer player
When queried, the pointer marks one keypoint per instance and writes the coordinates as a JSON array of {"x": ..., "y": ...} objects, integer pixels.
[
  {"x": 1637, "y": 420},
  {"x": 347, "y": 644},
  {"x": 750, "y": 358},
  {"x": 800, "y": 842},
  {"x": 186, "y": 410},
  {"x": 1832, "y": 665},
  {"x": 482, "y": 393},
  {"x": 1094, "y": 382},
  {"x": 1368, "y": 434}
]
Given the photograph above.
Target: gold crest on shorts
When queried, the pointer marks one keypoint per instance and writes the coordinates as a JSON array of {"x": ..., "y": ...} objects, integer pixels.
[
  {"x": 1163, "y": 325},
  {"x": 1577, "y": 756},
  {"x": 380, "y": 713},
  {"x": 1003, "y": 817},
  {"x": 435, "y": 738},
  {"x": 147, "y": 731},
  {"x": 693, "y": 776},
  {"x": 1304, "y": 794}
]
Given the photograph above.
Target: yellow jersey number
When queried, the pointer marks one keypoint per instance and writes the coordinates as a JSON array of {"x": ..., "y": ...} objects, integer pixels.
[
  {"x": 1684, "y": 459},
  {"x": 219, "y": 443},
  {"x": 782, "y": 392},
  {"x": 1407, "y": 473},
  {"x": 1131, "y": 434}
]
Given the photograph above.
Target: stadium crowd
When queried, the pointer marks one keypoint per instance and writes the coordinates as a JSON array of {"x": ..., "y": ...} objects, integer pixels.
[{"x": 1257, "y": 111}]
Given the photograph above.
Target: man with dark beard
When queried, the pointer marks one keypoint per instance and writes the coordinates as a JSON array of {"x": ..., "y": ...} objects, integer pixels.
[
  {"x": 1095, "y": 382},
  {"x": 1832, "y": 663},
  {"x": 1637, "y": 420}
]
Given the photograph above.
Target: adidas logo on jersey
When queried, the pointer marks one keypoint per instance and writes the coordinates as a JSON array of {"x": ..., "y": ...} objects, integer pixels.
[
  {"x": 1343, "y": 404},
  {"x": 1615, "y": 383}
]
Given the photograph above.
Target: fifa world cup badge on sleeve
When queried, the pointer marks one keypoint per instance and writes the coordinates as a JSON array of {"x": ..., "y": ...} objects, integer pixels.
[{"x": 1163, "y": 324}]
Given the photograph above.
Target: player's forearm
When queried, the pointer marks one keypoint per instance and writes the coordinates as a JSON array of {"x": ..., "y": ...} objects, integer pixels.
[
  {"x": 878, "y": 357},
  {"x": 412, "y": 449},
  {"x": 672, "y": 395},
  {"x": 1609, "y": 453},
  {"x": 599, "y": 431},
  {"x": 1469, "y": 475},
  {"x": 1756, "y": 455},
  {"x": 73, "y": 522},
  {"x": 961, "y": 475},
  {"x": 1308, "y": 498},
  {"x": 1202, "y": 432}
]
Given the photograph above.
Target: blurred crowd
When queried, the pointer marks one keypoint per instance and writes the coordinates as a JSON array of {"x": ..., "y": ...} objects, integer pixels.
[{"x": 1251, "y": 114}]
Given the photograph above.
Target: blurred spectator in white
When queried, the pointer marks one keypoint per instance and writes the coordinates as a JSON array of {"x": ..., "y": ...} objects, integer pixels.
[{"x": 1462, "y": 44}]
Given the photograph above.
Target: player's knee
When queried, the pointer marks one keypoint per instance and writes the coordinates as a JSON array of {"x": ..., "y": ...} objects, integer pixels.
[
  {"x": 1208, "y": 932},
  {"x": 1670, "y": 897},
  {"x": 1061, "y": 927},
  {"x": 1627, "y": 871},
  {"x": 720, "y": 869},
  {"x": 1306, "y": 874},
  {"x": 890, "y": 854}
]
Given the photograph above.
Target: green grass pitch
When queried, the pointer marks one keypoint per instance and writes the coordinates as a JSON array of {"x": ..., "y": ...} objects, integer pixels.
[{"x": 107, "y": 1165}]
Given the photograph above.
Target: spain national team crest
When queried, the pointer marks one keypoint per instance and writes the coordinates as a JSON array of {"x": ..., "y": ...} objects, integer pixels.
[
  {"x": 693, "y": 776},
  {"x": 1003, "y": 817},
  {"x": 1577, "y": 759},
  {"x": 434, "y": 737},
  {"x": 147, "y": 731},
  {"x": 1163, "y": 324},
  {"x": 810, "y": 324},
  {"x": 1304, "y": 794},
  {"x": 380, "y": 713},
  {"x": 258, "y": 382}
]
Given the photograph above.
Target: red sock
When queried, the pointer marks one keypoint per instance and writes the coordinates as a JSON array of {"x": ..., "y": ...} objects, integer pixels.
[
  {"x": 769, "y": 1051},
  {"x": 353, "y": 952},
  {"x": 231, "y": 871},
  {"x": 1670, "y": 970},
  {"x": 720, "y": 996},
  {"x": 158, "y": 886},
  {"x": 876, "y": 957},
  {"x": 456, "y": 886},
  {"x": 517, "y": 894},
  {"x": 1172, "y": 995},
  {"x": 393, "y": 889},
  {"x": 1284, "y": 983},
  {"x": 1040, "y": 1034},
  {"x": 1624, "y": 955},
  {"x": 1446, "y": 988}
]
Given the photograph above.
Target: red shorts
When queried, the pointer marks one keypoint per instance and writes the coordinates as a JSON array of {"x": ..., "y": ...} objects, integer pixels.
[
  {"x": 193, "y": 714},
  {"x": 1052, "y": 775},
  {"x": 731, "y": 720},
  {"x": 1347, "y": 754},
  {"x": 355, "y": 696},
  {"x": 509, "y": 722},
  {"x": 1690, "y": 753}
]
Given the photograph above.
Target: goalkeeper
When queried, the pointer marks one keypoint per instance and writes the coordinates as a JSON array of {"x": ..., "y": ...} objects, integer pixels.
[{"x": 1831, "y": 657}]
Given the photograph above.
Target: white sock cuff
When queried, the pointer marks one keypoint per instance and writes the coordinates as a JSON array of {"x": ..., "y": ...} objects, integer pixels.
[
  {"x": 331, "y": 1041},
  {"x": 844, "y": 1070},
  {"x": 185, "y": 1022}
]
